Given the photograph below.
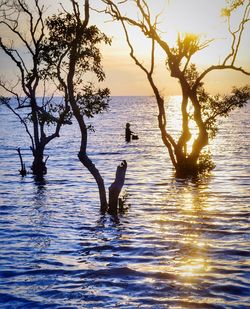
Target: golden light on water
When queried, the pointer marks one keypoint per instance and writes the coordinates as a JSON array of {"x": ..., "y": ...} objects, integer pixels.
[
  {"x": 193, "y": 267},
  {"x": 194, "y": 209},
  {"x": 174, "y": 119},
  {"x": 194, "y": 132},
  {"x": 193, "y": 261}
]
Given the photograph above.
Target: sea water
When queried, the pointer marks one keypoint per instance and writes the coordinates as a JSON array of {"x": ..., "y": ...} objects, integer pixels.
[{"x": 179, "y": 243}]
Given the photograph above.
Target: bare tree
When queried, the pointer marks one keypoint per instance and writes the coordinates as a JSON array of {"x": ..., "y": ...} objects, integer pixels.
[
  {"x": 23, "y": 31},
  {"x": 206, "y": 108},
  {"x": 71, "y": 52}
]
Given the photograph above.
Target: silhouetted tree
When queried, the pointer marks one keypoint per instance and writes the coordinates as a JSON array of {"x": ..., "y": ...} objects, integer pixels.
[
  {"x": 72, "y": 54},
  {"x": 206, "y": 109},
  {"x": 23, "y": 32}
]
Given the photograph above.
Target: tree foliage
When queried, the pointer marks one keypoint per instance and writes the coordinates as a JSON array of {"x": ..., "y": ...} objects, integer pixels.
[
  {"x": 65, "y": 30},
  {"x": 22, "y": 43},
  {"x": 72, "y": 58}
]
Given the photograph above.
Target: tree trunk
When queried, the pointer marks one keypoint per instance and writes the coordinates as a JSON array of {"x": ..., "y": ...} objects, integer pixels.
[
  {"x": 186, "y": 167},
  {"x": 181, "y": 148},
  {"x": 116, "y": 187},
  {"x": 98, "y": 178},
  {"x": 71, "y": 95},
  {"x": 39, "y": 166}
]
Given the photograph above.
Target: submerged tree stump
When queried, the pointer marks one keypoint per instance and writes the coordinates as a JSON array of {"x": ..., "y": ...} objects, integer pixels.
[
  {"x": 116, "y": 187},
  {"x": 22, "y": 171}
]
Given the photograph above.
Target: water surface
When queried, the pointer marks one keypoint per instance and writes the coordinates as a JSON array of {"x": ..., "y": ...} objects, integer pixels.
[{"x": 180, "y": 244}]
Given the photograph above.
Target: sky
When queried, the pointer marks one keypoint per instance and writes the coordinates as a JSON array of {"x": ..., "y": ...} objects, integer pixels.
[
  {"x": 196, "y": 16},
  {"x": 202, "y": 17}
]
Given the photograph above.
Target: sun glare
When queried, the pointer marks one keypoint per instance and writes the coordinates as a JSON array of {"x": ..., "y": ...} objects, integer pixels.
[
  {"x": 192, "y": 267},
  {"x": 200, "y": 17},
  {"x": 194, "y": 16},
  {"x": 174, "y": 124}
]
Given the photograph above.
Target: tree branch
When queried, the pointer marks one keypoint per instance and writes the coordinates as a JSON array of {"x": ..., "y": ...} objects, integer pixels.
[
  {"x": 18, "y": 63},
  {"x": 236, "y": 42},
  {"x": 5, "y": 101},
  {"x": 86, "y": 12},
  {"x": 217, "y": 67},
  {"x": 167, "y": 138}
]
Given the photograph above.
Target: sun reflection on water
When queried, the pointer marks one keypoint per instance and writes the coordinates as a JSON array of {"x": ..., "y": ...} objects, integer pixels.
[
  {"x": 189, "y": 256},
  {"x": 196, "y": 263},
  {"x": 180, "y": 244},
  {"x": 193, "y": 267},
  {"x": 174, "y": 124}
]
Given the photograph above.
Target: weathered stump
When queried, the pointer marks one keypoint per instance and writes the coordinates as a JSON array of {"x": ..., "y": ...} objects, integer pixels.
[
  {"x": 22, "y": 171},
  {"x": 116, "y": 187}
]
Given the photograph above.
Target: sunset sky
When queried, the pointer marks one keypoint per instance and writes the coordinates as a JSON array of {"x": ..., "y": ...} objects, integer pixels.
[{"x": 197, "y": 16}]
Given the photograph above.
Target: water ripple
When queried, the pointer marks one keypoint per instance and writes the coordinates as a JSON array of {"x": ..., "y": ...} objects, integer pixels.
[{"x": 179, "y": 244}]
